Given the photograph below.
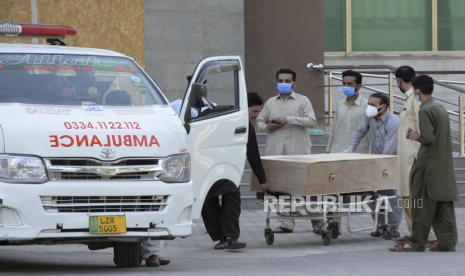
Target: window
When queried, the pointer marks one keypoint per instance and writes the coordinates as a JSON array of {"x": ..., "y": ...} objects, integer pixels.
[
  {"x": 74, "y": 80},
  {"x": 334, "y": 25},
  {"x": 394, "y": 25},
  {"x": 451, "y": 19},
  {"x": 220, "y": 78}
]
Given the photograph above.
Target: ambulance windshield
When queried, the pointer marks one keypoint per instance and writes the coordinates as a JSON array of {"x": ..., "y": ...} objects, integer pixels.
[{"x": 59, "y": 79}]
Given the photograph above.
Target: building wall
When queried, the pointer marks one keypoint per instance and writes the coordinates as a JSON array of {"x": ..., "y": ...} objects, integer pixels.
[
  {"x": 179, "y": 33},
  {"x": 285, "y": 34},
  {"x": 18, "y": 11},
  {"x": 110, "y": 24}
]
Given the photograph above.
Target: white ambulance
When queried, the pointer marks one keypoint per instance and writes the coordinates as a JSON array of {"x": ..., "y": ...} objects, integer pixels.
[{"x": 92, "y": 153}]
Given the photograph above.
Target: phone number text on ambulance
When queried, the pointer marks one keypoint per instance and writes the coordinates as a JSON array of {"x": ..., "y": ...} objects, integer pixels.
[{"x": 102, "y": 125}]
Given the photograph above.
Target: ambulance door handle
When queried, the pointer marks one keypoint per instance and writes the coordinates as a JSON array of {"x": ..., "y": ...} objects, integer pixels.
[{"x": 240, "y": 130}]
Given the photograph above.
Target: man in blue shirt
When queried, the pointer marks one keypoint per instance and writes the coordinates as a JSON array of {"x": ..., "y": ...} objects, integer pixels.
[
  {"x": 382, "y": 124},
  {"x": 383, "y": 127}
]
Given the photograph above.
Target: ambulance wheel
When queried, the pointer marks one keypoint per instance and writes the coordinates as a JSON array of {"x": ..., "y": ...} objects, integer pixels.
[
  {"x": 127, "y": 254},
  {"x": 269, "y": 236},
  {"x": 326, "y": 238}
]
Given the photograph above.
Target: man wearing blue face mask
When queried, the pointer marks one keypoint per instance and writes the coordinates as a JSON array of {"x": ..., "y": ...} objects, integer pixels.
[
  {"x": 286, "y": 118},
  {"x": 349, "y": 111}
]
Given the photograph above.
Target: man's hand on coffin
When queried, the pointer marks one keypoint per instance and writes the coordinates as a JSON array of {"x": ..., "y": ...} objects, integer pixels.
[{"x": 413, "y": 134}]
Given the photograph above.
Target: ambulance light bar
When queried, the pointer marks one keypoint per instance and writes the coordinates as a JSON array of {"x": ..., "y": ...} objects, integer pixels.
[{"x": 35, "y": 30}]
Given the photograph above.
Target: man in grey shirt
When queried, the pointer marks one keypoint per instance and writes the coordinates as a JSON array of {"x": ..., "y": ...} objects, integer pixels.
[
  {"x": 383, "y": 127},
  {"x": 286, "y": 118}
]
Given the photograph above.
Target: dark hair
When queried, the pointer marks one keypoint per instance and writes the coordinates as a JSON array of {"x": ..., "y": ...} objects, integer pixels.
[
  {"x": 384, "y": 99},
  {"x": 424, "y": 83},
  {"x": 254, "y": 99},
  {"x": 352, "y": 73},
  {"x": 405, "y": 73},
  {"x": 287, "y": 71}
]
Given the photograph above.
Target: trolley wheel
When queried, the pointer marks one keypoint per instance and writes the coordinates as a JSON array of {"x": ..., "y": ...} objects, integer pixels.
[
  {"x": 269, "y": 236},
  {"x": 335, "y": 231},
  {"x": 326, "y": 238}
]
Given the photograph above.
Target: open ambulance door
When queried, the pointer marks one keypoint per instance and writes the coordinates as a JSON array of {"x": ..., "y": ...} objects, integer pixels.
[{"x": 215, "y": 115}]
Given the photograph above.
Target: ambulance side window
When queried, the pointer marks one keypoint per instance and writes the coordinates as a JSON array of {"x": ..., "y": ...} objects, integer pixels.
[{"x": 222, "y": 92}]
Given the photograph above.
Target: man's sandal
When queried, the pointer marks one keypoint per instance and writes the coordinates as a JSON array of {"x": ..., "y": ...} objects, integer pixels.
[
  {"x": 436, "y": 248},
  {"x": 404, "y": 247}
]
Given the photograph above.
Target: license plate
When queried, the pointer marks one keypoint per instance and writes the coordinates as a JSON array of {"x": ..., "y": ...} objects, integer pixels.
[{"x": 107, "y": 224}]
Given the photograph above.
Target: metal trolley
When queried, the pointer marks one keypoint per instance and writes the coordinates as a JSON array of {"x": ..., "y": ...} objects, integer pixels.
[{"x": 330, "y": 213}]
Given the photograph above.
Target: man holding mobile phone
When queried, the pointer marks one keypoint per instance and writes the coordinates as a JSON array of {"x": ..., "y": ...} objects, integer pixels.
[{"x": 286, "y": 118}]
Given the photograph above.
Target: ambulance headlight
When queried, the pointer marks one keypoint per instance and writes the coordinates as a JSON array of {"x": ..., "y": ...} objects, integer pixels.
[
  {"x": 176, "y": 168},
  {"x": 22, "y": 169}
]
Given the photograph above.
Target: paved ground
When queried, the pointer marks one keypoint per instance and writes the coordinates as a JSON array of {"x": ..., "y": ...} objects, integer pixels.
[{"x": 300, "y": 253}]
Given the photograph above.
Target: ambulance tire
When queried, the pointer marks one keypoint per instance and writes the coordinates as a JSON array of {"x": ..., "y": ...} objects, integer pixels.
[{"x": 127, "y": 254}]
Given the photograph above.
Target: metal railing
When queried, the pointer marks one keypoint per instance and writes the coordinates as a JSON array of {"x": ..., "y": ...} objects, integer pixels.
[{"x": 386, "y": 72}]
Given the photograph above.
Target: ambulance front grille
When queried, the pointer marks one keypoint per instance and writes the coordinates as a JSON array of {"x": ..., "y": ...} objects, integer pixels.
[
  {"x": 93, "y": 169},
  {"x": 93, "y": 176},
  {"x": 101, "y": 204}
]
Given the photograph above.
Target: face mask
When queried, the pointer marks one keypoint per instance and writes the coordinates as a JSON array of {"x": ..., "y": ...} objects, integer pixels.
[
  {"x": 371, "y": 111},
  {"x": 284, "y": 88},
  {"x": 418, "y": 98},
  {"x": 348, "y": 91}
]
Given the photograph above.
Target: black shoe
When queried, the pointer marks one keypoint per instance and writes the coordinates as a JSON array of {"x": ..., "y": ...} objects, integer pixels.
[
  {"x": 221, "y": 245},
  {"x": 234, "y": 244},
  {"x": 378, "y": 233},
  {"x": 395, "y": 234},
  {"x": 155, "y": 261}
]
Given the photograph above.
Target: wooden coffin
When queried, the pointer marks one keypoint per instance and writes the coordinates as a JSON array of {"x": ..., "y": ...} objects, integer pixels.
[{"x": 322, "y": 174}]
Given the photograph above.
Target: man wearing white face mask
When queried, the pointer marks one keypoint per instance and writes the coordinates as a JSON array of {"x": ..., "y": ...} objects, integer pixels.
[
  {"x": 349, "y": 111},
  {"x": 383, "y": 127},
  {"x": 286, "y": 118}
]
